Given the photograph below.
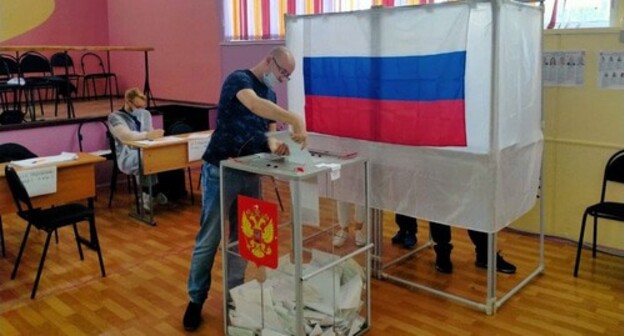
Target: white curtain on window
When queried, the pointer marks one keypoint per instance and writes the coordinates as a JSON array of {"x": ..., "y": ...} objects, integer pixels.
[{"x": 570, "y": 14}]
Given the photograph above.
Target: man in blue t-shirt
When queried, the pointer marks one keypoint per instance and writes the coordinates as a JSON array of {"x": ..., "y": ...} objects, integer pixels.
[{"x": 247, "y": 110}]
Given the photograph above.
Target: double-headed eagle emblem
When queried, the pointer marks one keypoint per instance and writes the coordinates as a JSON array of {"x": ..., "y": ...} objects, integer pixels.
[{"x": 259, "y": 232}]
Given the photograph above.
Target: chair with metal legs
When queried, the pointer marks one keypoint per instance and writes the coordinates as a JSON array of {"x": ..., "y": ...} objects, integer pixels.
[
  {"x": 49, "y": 220},
  {"x": 614, "y": 172}
]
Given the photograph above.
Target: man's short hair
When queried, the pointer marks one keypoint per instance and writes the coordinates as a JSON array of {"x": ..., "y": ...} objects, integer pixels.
[{"x": 134, "y": 93}]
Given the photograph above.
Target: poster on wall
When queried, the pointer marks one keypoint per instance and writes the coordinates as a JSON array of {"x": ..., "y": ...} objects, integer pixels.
[
  {"x": 611, "y": 70},
  {"x": 564, "y": 68}
]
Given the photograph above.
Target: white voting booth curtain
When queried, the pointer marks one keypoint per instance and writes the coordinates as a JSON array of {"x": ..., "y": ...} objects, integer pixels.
[{"x": 492, "y": 180}]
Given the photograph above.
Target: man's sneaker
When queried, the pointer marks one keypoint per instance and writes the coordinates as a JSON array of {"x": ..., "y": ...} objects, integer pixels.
[
  {"x": 192, "y": 316},
  {"x": 409, "y": 241},
  {"x": 501, "y": 265},
  {"x": 161, "y": 199},
  {"x": 147, "y": 201},
  {"x": 339, "y": 238},
  {"x": 360, "y": 238},
  {"x": 398, "y": 237}
]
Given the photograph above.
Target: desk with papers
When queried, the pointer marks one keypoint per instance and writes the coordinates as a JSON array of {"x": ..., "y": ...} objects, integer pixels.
[
  {"x": 75, "y": 181},
  {"x": 166, "y": 154}
]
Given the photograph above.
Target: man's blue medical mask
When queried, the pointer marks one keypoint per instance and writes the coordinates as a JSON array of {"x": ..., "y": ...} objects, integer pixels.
[{"x": 269, "y": 79}]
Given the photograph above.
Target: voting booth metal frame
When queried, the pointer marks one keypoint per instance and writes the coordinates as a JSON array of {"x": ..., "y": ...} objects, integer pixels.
[
  {"x": 492, "y": 302},
  {"x": 301, "y": 235}
]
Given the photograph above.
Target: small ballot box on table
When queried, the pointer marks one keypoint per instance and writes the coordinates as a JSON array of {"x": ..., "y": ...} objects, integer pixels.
[{"x": 284, "y": 270}]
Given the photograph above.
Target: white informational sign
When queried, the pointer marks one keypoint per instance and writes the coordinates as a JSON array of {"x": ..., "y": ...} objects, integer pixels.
[
  {"x": 611, "y": 70},
  {"x": 197, "y": 147},
  {"x": 38, "y": 181},
  {"x": 564, "y": 68}
]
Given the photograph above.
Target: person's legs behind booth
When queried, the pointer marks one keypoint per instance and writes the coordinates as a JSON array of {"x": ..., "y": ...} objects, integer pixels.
[
  {"x": 343, "y": 221},
  {"x": 408, "y": 228},
  {"x": 480, "y": 241}
]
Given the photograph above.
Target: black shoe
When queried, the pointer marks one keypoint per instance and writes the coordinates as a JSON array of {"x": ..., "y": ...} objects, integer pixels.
[
  {"x": 443, "y": 262},
  {"x": 409, "y": 241},
  {"x": 501, "y": 265},
  {"x": 398, "y": 237},
  {"x": 192, "y": 316}
]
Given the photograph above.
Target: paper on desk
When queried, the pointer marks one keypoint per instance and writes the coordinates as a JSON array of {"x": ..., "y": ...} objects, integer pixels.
[
  {"x": 43, "y": 160},
  {"x": 297, "y": 155},
  {"x": 166, "y": 139},
  {"x": 101, "y": 152}
]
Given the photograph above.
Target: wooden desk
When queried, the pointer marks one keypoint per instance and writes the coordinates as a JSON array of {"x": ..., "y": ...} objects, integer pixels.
[
  {"x": 159, "y": 157},
  {"x": 75, "y": 182}
]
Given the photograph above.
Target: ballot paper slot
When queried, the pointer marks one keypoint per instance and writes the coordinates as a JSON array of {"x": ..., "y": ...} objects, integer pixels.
[{"x": 290, "y": 278}]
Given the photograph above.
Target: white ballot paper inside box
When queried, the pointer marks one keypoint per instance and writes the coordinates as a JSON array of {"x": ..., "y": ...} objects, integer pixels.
[{"x": 38, "y": 181}]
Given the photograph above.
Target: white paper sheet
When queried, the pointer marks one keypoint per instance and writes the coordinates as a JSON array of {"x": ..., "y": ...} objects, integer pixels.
[
  {"x": 44, "y": 160},
  {"x": 101, "y": 152},
  {"x": 197, "y": 147},
  {"x": 39, "y": 181},
  {"x": 297, "y": 154},
  {"x": 166, "y": 139}
]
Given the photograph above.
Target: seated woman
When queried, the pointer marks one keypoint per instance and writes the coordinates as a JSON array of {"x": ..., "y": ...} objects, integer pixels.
[{"x": 134, "y": 122}]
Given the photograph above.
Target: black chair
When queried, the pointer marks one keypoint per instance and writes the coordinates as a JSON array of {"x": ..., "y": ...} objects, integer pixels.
[
  {"x": 9, "y": 69},
  {"x": 49, "y": 220},
  {"x": 63, "y": 67},
  {"x": 614, "y": 172},
  {"x": 111, "y": 156},
  {"x": 38, "y": 74},
  {"x": 88, "y": 62},
  {"x": 10, "y": 152}
]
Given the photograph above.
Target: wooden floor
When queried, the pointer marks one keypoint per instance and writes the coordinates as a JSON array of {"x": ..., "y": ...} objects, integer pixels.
[
  {"x": 83, "y": 108},
  {"x": 144, "y": 292}
]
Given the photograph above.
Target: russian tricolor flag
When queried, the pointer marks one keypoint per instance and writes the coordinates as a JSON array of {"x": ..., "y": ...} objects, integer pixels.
[{"x": 396, "y": 77}]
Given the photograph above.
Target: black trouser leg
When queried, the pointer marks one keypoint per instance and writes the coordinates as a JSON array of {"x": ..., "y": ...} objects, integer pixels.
[
  {"x": 406, "y": 224},
  {"x": 440, "y": 233},
  {"x": 480, "y": 241}
]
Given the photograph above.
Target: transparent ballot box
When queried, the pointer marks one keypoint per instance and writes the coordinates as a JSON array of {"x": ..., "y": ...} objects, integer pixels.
[{"x": 288, "y": 266}]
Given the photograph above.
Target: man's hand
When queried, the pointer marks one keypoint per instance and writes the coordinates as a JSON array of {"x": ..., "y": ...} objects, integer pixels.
[
  {"x": 155, "y": 134},
  {"x": 278, "y": 147},
  {"x": 299, "y": 134}
]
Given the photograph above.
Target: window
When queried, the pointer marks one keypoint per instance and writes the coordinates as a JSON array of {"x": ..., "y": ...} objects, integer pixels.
[
  {"x": 566, "y": 14},
  {"x": 252, "y": 20}
]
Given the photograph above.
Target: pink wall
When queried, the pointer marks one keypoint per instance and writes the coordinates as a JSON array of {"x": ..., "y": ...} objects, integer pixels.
[
  {"x": 185, "y": 64},
  {"x": 185, "y": 34},
  {"x": 244, "y": 56},
  {"x": 73, "y": 22},
  {"x": 53, "y": 140}
]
